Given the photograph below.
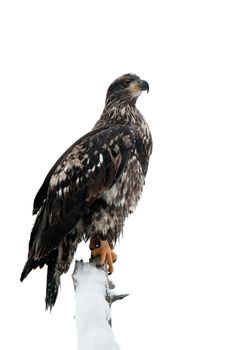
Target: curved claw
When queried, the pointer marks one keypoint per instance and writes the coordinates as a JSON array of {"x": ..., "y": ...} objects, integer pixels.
[{"x": 106, "y": 254}]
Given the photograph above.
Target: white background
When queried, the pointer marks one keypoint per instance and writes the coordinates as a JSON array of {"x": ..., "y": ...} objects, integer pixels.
[{"x": 180, "y": 258}]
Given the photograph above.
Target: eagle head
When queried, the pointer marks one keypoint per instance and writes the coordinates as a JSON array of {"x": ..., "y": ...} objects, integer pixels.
[{"x": 126, "y": 89}]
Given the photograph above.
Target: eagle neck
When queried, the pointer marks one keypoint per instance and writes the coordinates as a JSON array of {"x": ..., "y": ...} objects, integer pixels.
[{"x": 122, "y": 114}]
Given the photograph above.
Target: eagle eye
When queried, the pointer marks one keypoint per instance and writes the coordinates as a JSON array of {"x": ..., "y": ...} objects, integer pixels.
[{"x": 126, "y": 83}]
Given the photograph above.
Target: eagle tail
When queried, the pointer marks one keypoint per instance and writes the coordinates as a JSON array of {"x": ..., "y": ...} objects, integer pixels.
[{"x": 52, "y": 281}]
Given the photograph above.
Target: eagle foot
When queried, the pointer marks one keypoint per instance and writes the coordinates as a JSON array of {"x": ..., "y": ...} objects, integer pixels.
[{"x": 103, "y": 249}]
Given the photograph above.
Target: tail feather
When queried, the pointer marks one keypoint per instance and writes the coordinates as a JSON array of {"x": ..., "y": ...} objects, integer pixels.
[
  {"x": 52, "y": 281},
  {"x": 57, "y": 259},
  {"x": 53, "y": 276}
]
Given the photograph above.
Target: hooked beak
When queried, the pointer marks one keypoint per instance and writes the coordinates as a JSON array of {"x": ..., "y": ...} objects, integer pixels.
[{"x": 144, "y": 86}]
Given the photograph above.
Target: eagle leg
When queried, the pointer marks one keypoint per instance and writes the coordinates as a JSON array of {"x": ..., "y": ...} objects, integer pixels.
[{"x": 103, "y": 249}]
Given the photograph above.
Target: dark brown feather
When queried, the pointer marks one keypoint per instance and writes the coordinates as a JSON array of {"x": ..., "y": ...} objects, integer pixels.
[
  {"x": 93, "y": 186},
  {"x": 75, "y": 182}
]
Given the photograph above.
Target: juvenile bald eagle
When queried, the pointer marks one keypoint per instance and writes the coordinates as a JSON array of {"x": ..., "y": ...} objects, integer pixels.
[{"x": 92, "y": 187}]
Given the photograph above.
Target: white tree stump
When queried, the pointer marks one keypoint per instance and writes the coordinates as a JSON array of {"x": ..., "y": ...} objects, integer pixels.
[{"x": 94, "y": 296}]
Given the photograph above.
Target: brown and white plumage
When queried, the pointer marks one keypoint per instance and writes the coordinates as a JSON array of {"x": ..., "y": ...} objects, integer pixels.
[{"x": 93, "y": 186}]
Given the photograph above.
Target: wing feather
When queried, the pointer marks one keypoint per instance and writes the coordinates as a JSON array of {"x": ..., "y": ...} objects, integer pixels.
[
  {"x": 90, "y": 167},
  {"x": 42, "y": 192}
]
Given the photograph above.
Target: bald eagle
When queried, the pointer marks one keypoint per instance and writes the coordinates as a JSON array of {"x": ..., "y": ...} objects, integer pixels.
[{"x": 92, "y": 187}]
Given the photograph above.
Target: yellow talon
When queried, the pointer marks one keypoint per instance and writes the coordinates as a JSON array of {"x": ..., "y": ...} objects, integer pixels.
[{"x": 105, "y": 252}]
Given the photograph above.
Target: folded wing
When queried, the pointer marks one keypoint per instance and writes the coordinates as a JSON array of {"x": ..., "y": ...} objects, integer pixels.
[{"x": 86, "y": 170}]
